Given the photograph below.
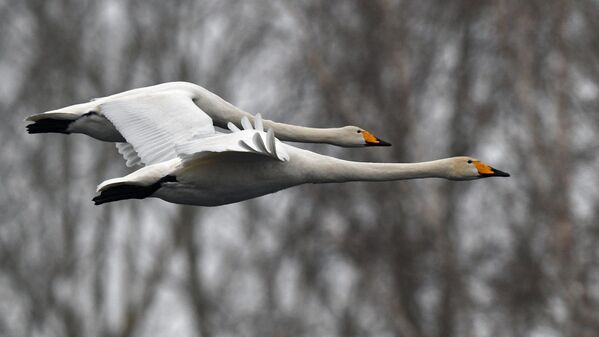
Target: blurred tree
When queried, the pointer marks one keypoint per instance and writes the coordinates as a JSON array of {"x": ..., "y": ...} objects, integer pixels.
[{"x": 515, "y": 83}]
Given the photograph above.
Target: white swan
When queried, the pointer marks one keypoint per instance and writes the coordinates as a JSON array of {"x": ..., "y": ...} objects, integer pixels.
[
  {"x": 191, "y": 105},
  {"x": 227, "y": 168}
]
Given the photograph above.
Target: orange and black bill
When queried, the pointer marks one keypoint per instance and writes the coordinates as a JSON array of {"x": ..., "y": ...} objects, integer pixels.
[
  {"x": 487, "y": 171},
  {"x": 371, "y": 140}
]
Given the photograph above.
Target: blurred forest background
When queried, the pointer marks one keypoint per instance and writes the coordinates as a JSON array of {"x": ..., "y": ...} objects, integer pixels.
[{"x": 514, "y": 83}]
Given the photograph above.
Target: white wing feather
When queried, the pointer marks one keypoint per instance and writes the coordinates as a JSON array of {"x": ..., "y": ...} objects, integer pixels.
[
  {"x": 246, "y": 124},
  {"x": 128, "y": 152},
  {"x": 258, "y": 125},
  {"x": 233, "y": 127},
  {"x": 248, "y": 141},
  {"x": 154, "y": 123}
]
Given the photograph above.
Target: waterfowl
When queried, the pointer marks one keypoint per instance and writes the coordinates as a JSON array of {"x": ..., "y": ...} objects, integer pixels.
[
  {"x": 227, "y": 168},
  {"x": 184, "y": 103}
]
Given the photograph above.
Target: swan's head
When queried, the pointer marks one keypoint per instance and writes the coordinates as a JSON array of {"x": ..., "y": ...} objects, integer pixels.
[
  {"x": 467, "y": 168},
  {"x": 354, "y": 136}
]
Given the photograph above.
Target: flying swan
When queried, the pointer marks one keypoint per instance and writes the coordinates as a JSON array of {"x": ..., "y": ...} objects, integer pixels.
[
  {"x": 188, "y": 163},
  {"x": 197, "y": 105}
]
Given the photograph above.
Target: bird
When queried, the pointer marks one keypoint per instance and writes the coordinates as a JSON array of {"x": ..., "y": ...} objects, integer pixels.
[
  {"x": 247, "y": 163},
  {"x": 189, "y": 104}
]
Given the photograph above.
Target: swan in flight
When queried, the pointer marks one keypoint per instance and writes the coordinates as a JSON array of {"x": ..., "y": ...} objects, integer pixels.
[
  {"x": 197, "y": 106},
  {"x": 208, "y": 169},
  {"x": 231, "y": 171}
]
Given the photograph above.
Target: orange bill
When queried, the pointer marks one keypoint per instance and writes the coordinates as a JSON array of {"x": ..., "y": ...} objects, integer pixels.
[
  {"x": 371, "y": 140},
  {"x": 487, "y": 171}
]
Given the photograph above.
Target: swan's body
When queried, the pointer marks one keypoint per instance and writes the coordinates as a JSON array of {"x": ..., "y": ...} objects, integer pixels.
[
  {"x": 236, "y": 177},
  {"x": 89, "y": 118}
]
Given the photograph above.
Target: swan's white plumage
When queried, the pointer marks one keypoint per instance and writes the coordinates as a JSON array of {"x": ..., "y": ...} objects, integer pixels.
[
  {"x": 154, "y": 123},
  {"x": 145, "y": 176},
  {"x": 245, "y": 122},
  {"x": 156, "y": 134},
  {"x": 240, "y": 141},
  {"x": 98, "y": 126},
  {"x": 54, "y": 115},
  {"x": 258, "y": 125},
  {"x": 248, "y": 141},
  {"x": 233, "y": 127},
  {"x": 128, "y": 152}
]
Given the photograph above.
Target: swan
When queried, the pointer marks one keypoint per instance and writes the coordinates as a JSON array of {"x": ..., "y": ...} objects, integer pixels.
[
  {"x": 191, "y": 105},
  {"x": 227, "y": 168}
]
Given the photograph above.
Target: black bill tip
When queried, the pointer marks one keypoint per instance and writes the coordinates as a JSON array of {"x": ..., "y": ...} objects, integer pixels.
[
  {"x": 380, "y": 143},
  {"x": 383, "y": 143},
  {"x": 498, "y": 173}
]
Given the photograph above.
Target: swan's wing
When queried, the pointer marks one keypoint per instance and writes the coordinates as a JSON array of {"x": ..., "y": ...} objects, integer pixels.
[
  {"x": 128, "y": 152},
  {"x": 247, "y": 140},
  {"x": 153, "y": 123}
]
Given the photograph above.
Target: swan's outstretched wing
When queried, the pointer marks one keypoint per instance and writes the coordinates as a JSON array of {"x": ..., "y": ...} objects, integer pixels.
[
  {"x": 249, "y": 140},
  {"x": 154, "y": 123}
]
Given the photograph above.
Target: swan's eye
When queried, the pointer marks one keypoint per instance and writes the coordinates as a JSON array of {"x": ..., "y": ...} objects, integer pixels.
[
  {"x": 359, "y": 131},
  {"x": 469, "y": 161}
]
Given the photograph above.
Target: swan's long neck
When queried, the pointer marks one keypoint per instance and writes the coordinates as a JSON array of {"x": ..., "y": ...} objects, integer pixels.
[
  {"x": 217, "y": 108},
  {"x": 331, "y": 170},
  {"x": 295, "y": 133},
  {"x": 223, "y": 112}
]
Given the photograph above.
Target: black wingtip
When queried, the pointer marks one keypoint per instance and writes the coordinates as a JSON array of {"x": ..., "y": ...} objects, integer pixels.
[{"x": 49, "y": 125}]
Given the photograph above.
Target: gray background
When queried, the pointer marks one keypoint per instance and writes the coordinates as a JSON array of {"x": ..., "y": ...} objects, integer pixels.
[{"x": 514, "y": 83}]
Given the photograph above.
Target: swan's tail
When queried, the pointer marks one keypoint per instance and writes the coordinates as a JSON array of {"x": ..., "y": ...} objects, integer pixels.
[
  {"x": 58, "y": 121},
  {"x": 50, "y": 125},
  {"x": 137, "y": 185},
  {"x": 122, "y": 188}
]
